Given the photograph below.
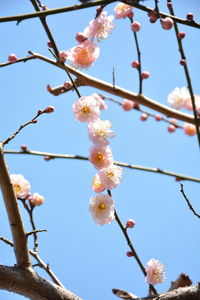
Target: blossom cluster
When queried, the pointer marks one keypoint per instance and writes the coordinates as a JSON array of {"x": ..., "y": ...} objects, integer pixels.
[
  {"x": 87, "y": 109},
  {"x": 22, "y": 190},
  {"x": 86, "y": 52}
]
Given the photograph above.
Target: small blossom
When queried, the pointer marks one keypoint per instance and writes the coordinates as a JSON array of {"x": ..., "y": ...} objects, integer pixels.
[
  {"x": 83, "y": 55},
  {"x": 144, "y": 117},
  {"x": 97, "y": 185},
  {"x": 122, "y": 10},
  {"x": 127, "y": 105},
  {"x": 100, "y": 157},
  {"x": 130, "y": 223},
  {"x": 36, "y": 199},
  {"x": 100, "y": 100},
  {"x": 86, "y": 109},
  {"x": 155, "y": 272},
  {"x": 100, "y": 27},
  {"x": 135, "y": 26},
  {"x": 99, "y": 132},
  {"x": 12, "y": 58},
  {"x": 171, "y": 128},
  {"x": 80, "y": 37},
  {"x": 110, "y": 176},
  {"x": 167, "y": 23},
  {"x": 21, "y": 186},
  {"x": 189, "y": 129},
  {"x": 102, "y": 209},
  {"x": 63, "y": 56},
  {"x": 145, "y": 75},
  {"x": 178, "y": 97}
]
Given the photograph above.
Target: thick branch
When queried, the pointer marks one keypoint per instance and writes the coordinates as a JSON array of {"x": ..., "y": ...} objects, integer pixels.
[
  {"x": 14, "y": 217},
  {"x": 32, "y": 286}
]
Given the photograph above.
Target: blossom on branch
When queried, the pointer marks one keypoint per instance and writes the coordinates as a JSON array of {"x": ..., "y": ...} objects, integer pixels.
[
  {"x": 178, "y": 97},
  {"x": 122, "y": 10},
  {"x": 102, "y": 209},
  {"x": 110, "y": 176},
  {"x": 99, "y": 132},
  {"x": 189, "y": 129},
  {"x": 188, "y": 103},
  {"x": 100, "y": 27},
  {"x": 101, "y": 101},
  {"x": 86, "y": 109},
  {"x": 155, "y": 272},
  {"x": 97, "y": 185},
  {"x": 36, "y": 200},
  {"x": 21, "y": 186},
  {"x": 101, "y": 157},
  {"x": 83, "y": 55}
]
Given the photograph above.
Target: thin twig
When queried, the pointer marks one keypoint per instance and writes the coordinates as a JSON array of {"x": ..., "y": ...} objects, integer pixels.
[
  {"x": 41, "y": 264},
  {"x": 35, "y": 231},
  {"x": 122, "y": 164},
  {"x": 49, "y": 12},
  {"x": 188, "y": 202}
]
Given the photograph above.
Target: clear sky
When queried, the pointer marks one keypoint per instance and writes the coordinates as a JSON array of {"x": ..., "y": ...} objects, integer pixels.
[{"x": 89, "y": 259}]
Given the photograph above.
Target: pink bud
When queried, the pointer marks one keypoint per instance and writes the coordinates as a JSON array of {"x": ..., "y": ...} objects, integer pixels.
[
  {"x": 12, "y": 58},
  {"x": 135, "y": 26},
  {"x": 135, "y": 64},
  {"x": 24, "y": 148},
  {"x": 145, "y": 75},
  {"x": 47, "y": 158},
  {"x": 130, "y": 223},
  {"x": 80, "y": 37},
  {"x": 63, "y": 56},
  {"x": 171, "y": 128},
  {"x": 167, "y": 23},
  {"x": 67, "y": 85},
  {"x": 127, "y": 105},
  {"x": 49, "y": 44},
  {"x": 144, "y": 117},
  {"x": 158, "y": 117},
  {"x": 153, "y": 16},
  {"x": 190, "y": 16},
  {"x": 129, "y": 253},
  {"x": 178, "y": 179},
  {"x": 49, "y": 109},
  {"x": 173, "y": 121},
  {"x": 136, "y": 105},
  {"x": 131, "y": 14},
  {"x": 183, "y": 62},
  {"x": 169, "y": 5},
  {"x": 40, "y": 111},
  {"x": 181, "y": 35}
]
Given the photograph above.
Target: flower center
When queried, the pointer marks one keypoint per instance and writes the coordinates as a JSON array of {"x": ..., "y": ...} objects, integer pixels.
[
  {"x": 102, "y": 206},
  {"x": 17, "y": 188},
  {"x": 83, "y": 57},
  {"x": 85, "y": 110}
]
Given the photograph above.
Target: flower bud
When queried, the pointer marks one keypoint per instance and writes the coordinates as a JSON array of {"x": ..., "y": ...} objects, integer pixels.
[
  {"x": 144, "y": 117},
  {"x": 63, "y": 56},
  {"x": 167, "y": 23},
  {"x": 129, "y": 253},
  {"x": 190, "y": 16},
  {"x": 135, "y": 64},
  {"x": 130, "y": 223},
  {"x": 181, "y": 35},
  {"x": 49, "y": 109},
  {"x": 145, "y": 75},
  {"x": 12, "y": 58},
  {"x": 135, "y": 26},
  {"x": 171, "y": 128},
  {"x": 158, "y": 117},
  {"x": 80, "y": 37}
]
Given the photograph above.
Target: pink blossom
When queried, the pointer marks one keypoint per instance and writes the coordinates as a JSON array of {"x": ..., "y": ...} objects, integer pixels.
[
  {"x": 188, "y": 103},
  {"x": 83, "y": 55},
  {"x": 100, "y": 27},
  {"x": 63, "y": 55},
  {"x": 100, "y": 100},
  {"x": 178, "y": 97},
  {"x": 155, "y": 272},
  {"x": 99, "y": 132},
  {"x": 135, "y": 26},
  {"x": 110, "y": 176},
  {"x": 102, "y": 209},
  {"x": 100, "y": 157},
  {"x": 167, "y": 23},
  {"x": 36, "y": 199},
  {"x": 189, "y": 129},
  {"x": 12, "y": 58},
  {"x": 21, "y": 186},
  {"x": 127, "y": 105},
  {"x": 86, "y": 109},
  {"x": 122, "y": 10},
  {"x": 97, "y": 185},
  {"x": 80, "y": 37}
]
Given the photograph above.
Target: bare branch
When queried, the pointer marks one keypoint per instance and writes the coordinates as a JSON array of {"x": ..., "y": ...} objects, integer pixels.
[
  {"x": 188, "y": 202},
  {"x": 14, "y": 217}
]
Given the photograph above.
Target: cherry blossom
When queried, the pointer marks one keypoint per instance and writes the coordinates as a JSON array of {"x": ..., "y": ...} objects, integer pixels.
[
  {"x": 86, "y": 109},
  {"x": 99, "y": 132},
  {"x": 122, "y": 10},
  {"x": 178, "y": 97},
  {"x": 21, "y": 186},
  {"x": 97, "y": 185},
  {"x": 102, "y": 209},
  {"x": 36, "y": 199},
  {"x": 110, "y": 176},
  {"x": 100, "y": 157},
  {"x": 155, "y": 272}
]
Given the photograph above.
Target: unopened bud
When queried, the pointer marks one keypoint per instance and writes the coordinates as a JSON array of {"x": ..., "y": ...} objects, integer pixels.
[
  {"x": 130, "y": 223},
  {"x": 24, "y": 148},
  {"x": 129, "y": 253}
]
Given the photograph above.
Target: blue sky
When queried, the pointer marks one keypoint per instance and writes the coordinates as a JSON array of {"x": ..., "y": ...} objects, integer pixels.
[{"x": 91, "y": 260}]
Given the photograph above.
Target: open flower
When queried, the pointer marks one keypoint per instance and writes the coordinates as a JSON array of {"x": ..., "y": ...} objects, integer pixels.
[
  {"x": 101, "y": 157},
  {"x": 155, "y": 272},
  {"x": 83, "y": 55},
  {"x": 36, "y": 199},
  {"x": 86, "y": 109},
  {"x": 100, "y": 100},
  {"x": 97, "y": 185},
  {"x": 122, "y": 10},
  {"x": 99, "y": 132},
  {"x": 21, "y": 186},
  {"x": 178, "y": 97},
  {"x": 111, "y": 176},
  {"x": 100, "y": 27},
  {"x": 102, "y": 209}
]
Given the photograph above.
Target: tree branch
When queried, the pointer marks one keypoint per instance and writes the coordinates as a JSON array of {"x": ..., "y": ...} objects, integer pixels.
[{"x": 14, "y": 217}]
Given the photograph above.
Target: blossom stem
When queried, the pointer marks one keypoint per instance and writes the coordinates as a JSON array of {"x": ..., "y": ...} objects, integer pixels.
[{"x": 124, "y": 231}]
